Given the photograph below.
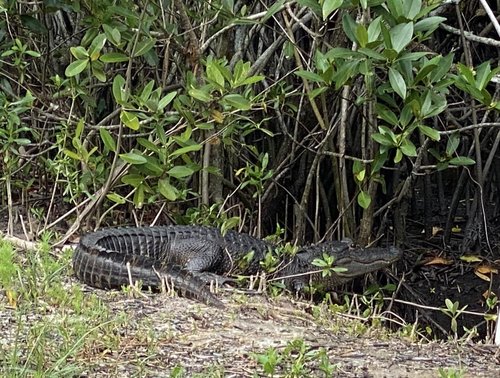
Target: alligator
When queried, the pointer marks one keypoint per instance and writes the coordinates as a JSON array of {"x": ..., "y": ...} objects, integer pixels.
[{"x": 188, "y": 257}]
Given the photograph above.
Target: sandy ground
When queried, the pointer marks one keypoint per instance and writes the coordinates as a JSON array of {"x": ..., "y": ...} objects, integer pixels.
[{"x": 201, "y": 339}]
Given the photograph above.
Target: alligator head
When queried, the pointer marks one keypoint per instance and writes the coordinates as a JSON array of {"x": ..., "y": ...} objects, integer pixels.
[{"x": 354, "y": 262}]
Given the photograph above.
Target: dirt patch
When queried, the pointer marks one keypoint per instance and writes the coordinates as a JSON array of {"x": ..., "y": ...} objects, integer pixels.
[{"x": 206, "y": 340}]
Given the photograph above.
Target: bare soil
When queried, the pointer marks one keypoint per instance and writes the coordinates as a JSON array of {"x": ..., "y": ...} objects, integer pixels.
[{"x": 200, "y": 338}]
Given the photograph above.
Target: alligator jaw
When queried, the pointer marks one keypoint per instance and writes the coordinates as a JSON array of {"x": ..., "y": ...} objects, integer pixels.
[{"x": 366, "y": 261}]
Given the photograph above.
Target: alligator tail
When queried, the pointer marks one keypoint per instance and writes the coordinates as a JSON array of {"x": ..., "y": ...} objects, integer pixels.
[{"x": 108, "y": 269}]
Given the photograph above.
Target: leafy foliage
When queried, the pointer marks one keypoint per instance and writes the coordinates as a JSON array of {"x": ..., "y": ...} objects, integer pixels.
[{"x": 149, "y": 109}]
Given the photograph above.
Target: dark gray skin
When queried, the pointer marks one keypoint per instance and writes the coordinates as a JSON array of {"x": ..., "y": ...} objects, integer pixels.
[{"x": 189, "y": 256}]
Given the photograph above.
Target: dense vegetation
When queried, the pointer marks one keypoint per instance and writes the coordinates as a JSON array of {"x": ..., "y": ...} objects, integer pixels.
[
  {"x": 319, "y": 118},
  {"x": 306, "y": 119}
]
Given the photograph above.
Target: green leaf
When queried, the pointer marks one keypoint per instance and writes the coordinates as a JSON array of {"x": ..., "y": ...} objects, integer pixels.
[
  {"x": 372, "y": 54},
  {"x": 130, "y": 120},
  {"x": 167, "y": 190},
  {"x": 237, "y": 101},
  {"x": 452, "y": 143},
  {"x": 311, "y": 76},
  {"x": 397, "y": 82},
  {"x": 386, "y": 114},
  {"x": 112, "y": 34},
  {"x": 79, "y": 52},
  {"x": 329, "y": 6},
  {"x": 399, "y": 156},
  {"x": 250, "y": 80},
  {"x": 349, "y": 25},
  {"x": 119, "y": 93},
  {"x": 139, "y": 196},
  {"x": 395, "y": 8},
  {"x": 341, "y": 52},
  {"x": 31, "y": 23},
  {"x": 22, "y": 141},
  {"x": 466, "y": 73},
  {"x": 148, "y": 145},
  {"x": 462, "y": 160},
  {"x": 214, "y": 74},
  {"x": 76, "y": 67},
  {"x": 316, "y": 92},
  {"x": 167, "y": 99},
  {"x": 200, "y": 95},
  {"x": 412, "y": 56},
  {"x": 430, "y": 132},
  {"x": 364, "y": 199},
  {"x": 443, "y": 68},
  {"x": 107, "y": 139},
  {"x": 362, "y": 35},
  {"x": 483, "y": 75},
  {"x": 185, "y": 150},
  {"x": 374, "y": 29},
  {"x": 428, "y": 24},
  {"x": 401, "y": 36},
  {"x": 133, "y": 158},
  {"x": 116, "y": 198},
  {"x": 133, "y": 180},
  {"x": 426, "y": 105},
  {"x": 143, "y": 47},
  {"x": 384, "y": 140},
  {"x": 272, "y": 10},
  {"x": 180, "y": 171},
  {"x": 152, "y": 167},
  {"x": 379, "y": 162},
  {"x": 146, "y": 91},
  {"x": 71, "y": 154},
  {"x": 98, "y": 72},
  {"x": 411, "y": 8},
  {"x": 408, "y": 148},
  {"x": 113, "y": 57},
  {"x": 96, "y": 46},
  {"x": 229, "y": 224}
]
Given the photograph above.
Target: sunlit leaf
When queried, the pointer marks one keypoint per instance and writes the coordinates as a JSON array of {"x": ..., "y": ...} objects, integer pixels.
[
  {"x": 397, "y": 82},
  {"x": 130, "y": 120},
  {"x": 167, "y": 190},
  {"x": 107, "y": 139},
  {"x": 133, "y": 158},
  {"x": 471, "y": 258},
  {"x": 143, "y": 47},
  {"x": 180, "y": 171},
  {"x": 237, "y": 101},
  {"x": 364, "y": 199},
  {"x": 329, "y": 6},
  {"x": 113, "y": 57},
  {"x": 76, "y": 67}
]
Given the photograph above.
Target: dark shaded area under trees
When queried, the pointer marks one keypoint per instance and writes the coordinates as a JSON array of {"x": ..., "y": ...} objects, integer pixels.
[{"x": 326, "y": 123}]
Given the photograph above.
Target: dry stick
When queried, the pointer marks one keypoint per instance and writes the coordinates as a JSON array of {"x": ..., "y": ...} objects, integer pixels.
[
  {"x": 266, "y": 55},
  {"x": 251, "y": 17},
  {"x": 470, "y": 36},
  {"x": 369, "y": 123},
  {"x": 478, "y": 195},
  {"x": 490, "y": 14},
  {"x": 298, "y": 61},
  {"x": 300, "y": 227}
]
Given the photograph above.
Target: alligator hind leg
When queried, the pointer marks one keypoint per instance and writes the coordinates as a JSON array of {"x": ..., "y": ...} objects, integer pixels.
[{"x": 205, "y": 259}]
